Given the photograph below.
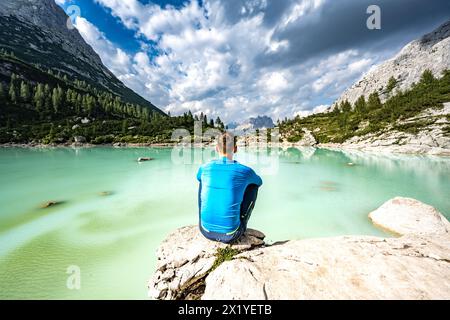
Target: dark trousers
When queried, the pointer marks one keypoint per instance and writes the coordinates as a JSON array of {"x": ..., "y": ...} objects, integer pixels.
[{"x": 247, "y": 205}]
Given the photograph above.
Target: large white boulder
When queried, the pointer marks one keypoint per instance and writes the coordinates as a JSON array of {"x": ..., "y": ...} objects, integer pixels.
[
  {"x": 405, "y": 216},
  {"x": 337, "y": 268}
]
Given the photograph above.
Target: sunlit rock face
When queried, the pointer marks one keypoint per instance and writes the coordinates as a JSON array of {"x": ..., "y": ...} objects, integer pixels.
[{"x": 432, "y": 52}]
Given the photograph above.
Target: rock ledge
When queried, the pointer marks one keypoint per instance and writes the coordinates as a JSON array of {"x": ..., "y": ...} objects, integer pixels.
[{"x": 413, "y": 266}]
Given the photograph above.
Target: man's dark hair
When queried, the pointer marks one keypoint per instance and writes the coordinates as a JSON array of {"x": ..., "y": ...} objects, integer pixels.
[{"x": 226, "y": 142}]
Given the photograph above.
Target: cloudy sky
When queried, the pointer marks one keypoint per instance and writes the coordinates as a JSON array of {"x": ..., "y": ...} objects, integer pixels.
[{"x": 242, "y": 58}]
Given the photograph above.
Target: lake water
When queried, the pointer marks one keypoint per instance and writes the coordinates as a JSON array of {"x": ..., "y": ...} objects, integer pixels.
[{"x": 112, "y": 237}]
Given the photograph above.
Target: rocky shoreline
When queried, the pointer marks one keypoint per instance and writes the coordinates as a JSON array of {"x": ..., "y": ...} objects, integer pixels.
[
  {"x": 86, "y": 145},
  {"x": 381, "y": 149},
  {"x": 389, "y": 149},
  {"x": 413, "y": 264}
]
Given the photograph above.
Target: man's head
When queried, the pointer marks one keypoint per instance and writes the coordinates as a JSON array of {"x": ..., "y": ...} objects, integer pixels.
[{"x": 226, "y": 145}]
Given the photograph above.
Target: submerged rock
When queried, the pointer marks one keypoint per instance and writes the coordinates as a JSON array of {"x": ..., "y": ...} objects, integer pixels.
[
  {"x": 144, "y": 159},
  {"x": 49, "y": 204},
  {"x": 106, "y": 193},
  {"x": 414, "y": 266}
]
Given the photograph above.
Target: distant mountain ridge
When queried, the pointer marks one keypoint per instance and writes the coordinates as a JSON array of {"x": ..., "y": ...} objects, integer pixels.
[
  {"x": 259, "y": 122},
  {"x": 431, "y": 51},
  {"x": 36, "y": 32}
]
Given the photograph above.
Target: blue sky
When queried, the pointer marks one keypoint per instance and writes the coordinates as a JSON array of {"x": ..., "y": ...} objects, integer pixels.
[{"x": 242, "y": 58}]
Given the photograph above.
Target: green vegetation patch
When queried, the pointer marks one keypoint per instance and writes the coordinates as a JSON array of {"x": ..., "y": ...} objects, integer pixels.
[
  {"x": 222, "y": 255},
  {"x": 414, "y": 126},
  {"x": 371, "y": 116}
]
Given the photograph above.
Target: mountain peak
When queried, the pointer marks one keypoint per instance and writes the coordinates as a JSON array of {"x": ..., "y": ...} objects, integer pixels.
[
  {"x": 431, "y": 51},
  {"x": 440, "y": 33}
]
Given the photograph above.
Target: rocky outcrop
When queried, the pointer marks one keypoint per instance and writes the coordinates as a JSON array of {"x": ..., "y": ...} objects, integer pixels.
[
  {"x": 414, "y": 266},
  {"x": 431, "y": 52},
  {"x": 307, "y": 140},
  {"x": 185, "y": 258}
]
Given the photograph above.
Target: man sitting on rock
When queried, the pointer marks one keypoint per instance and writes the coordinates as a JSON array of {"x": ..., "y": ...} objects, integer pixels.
[{"x": 227, "y": 194}]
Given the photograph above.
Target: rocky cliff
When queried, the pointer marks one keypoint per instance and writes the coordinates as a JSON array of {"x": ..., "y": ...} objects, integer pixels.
[
  {"x": 432, "y": 52},
  {"x": 414, "y": 265}
]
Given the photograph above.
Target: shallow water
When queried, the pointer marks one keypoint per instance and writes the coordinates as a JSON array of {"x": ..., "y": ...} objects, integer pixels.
[{"x": 114, "y": 211}]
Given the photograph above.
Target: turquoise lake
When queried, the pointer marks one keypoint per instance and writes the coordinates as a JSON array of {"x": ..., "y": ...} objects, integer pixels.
[{"x": 115, "y": 211}]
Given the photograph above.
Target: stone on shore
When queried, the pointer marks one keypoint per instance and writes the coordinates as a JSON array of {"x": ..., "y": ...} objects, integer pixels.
[{"x": 79, "y": 139}]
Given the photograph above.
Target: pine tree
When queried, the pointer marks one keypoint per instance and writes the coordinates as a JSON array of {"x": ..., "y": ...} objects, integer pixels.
[
  {"x": 24, "y": 92},
  {"x": 12, "y": 92},
  {"x": 14, "y": 78},
  {"x": 374, "y": 101},
  {"x": 47, "y": 98},
  {"x": 2, "y": 93},
  {"x": 219, "y": 123},
  {"x": 124, "y": 126},
  {"x": 57, "y": 99},
  {"x": 38, "y": 98},
  {"x": 427, "y": 78},
  {"x": 360, "y": 105},
  {"x": 392, "y": 83},
  {"x": 78, "y": 104},
  {"x": 89, "y": 105},
  {"x": 346, "y": 106}
]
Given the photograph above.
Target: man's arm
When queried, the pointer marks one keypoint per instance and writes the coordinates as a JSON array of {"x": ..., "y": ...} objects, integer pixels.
[
  {"x": 199, "y": 174},
  {"x": 254, "y": 178},
  {"x": 199, "y": 178}
]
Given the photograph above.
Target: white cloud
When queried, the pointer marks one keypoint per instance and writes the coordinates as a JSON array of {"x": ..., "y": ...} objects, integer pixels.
[
  {"x": 335, "y": 72},
  {"x": 274, "y": 81},
  {"x": 207, "y": 63},
  {"x": 113, "y": 57},
  {"x": 319, "y": 109}
]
